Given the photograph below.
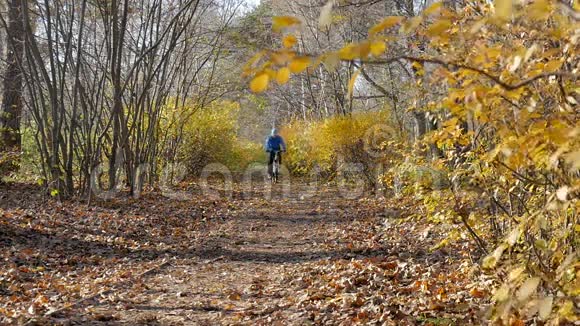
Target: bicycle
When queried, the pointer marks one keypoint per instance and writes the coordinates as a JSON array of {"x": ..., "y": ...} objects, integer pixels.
[{"x": 276, "y": 166}]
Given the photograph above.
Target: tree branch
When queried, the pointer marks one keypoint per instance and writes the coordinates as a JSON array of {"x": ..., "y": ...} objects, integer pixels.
[
  {"x": 490, "y": 76},
  {"x": 455, "y": 65}
]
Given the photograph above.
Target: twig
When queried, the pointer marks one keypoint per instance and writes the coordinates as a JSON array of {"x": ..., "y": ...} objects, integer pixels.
[
  {"x": 210, "y": 261},
  {"x": 519, "y": 175},
  {"x": 455, "y": 65},
  {"x": 478, "y": 240},
  {"x": 490, "y": 76}
]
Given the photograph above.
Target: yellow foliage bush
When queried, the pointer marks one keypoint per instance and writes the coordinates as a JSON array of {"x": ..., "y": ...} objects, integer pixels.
[
  {"x": 210, "y": 135},
  {"x": 328, "y": 144}
]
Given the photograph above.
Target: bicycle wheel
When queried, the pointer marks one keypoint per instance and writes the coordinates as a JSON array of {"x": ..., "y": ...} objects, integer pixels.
[
  {"x": 276, "y": 169},
  {"x": 275, "y": 173}
]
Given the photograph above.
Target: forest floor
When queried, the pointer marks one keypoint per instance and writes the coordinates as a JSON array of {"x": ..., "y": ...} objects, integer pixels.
[{"x": 302, "y": 257}]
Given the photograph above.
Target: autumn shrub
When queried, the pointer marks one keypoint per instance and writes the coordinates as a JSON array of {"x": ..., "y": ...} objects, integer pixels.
[
  {"x": 299, "y": 157},
  {"x": 522, "y": 215},
  {"x": 329, "y": 146},
  {"x": 25, "y": 164},
  {"x": 210, "y": 135},
  {"x": 8, "y": 163},
  {"x": 513, "y": 175}
]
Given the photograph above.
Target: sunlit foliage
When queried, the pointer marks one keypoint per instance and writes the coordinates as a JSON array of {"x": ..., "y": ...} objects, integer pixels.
[{"x": 507, "y": 141}]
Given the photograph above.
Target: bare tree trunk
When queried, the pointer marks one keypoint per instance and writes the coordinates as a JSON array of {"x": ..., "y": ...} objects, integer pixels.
[
  {"x": 119, "y": 24},
  {"x": 436, "y": 152},
  {"x": 302, "y": 91},
  {"x": 71, "y": 141},
  {"x": 420, "y": 124},
  {"x": 2, "y": 44},
  {"x": 13, "y": 85}
]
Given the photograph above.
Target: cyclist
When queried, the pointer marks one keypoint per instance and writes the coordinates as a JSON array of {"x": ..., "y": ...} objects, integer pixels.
[{"x": 274, "y": 143}]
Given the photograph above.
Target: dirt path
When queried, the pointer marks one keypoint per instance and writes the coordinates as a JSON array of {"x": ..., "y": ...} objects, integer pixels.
[
  {"x": 301, "y": 258},
  {"x": 245, "y": 271}
]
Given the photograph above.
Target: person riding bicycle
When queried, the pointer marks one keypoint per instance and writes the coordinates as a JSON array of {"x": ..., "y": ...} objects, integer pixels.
[{"x": 274, "y": 143}]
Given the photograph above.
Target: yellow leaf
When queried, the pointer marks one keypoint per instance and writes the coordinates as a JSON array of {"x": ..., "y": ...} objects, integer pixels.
[
  {"x": 271, "y": 73},
  {"x": 554, "y": 52},
  {"x": 325, "y": 18},
  {"x": 385, "y": 24},
  {"x": 567, "y": 309},
  {"x": 260, "y": 82},
  {"x": 299, "y": 64},
  {"x": 476, "y": 27},
  {"x": 419, "y": 71},
  {"x": 515, "y": 65},
  {"x": 541, "y": 244},
  {"x": 248, "y": 66},
  {"x": 552, "y": 66},
  {"x": 528, "y": 288},
  {"x": 513, "y": 236},
  {"x": 434, "y": 8},
  {"x": 281, "y": 58},
  {"x": 569, "y": 260},
  {"x": 281, "y": 22},
  {"x": 234, "y": 296},
  {"x": 355, "y": 51},
  {"x": 540, "y": 9},
  {"x": 348, "y": 52},
  {"x": 351, "y": 83},
  {"x": 503, "y": 9},
  {"x": 516, "y": 273},
  {"x": 489, "y": 262},
  {"x": 545, "y": 307},
  {"x": 283, "y": 76},
  {"x": 573, "y": 159},
  {"x": 289, "y": 41},
  {"x": 364, "y": 49},
  {"x": 440, "y": 245},
  {"x": 411, "y": 24},
  {"x": 378, "y": 48},
  {"x": 438, "y": 27},
  {"x": 501, "y": 294},
  {"x": 331, "y": 61}
]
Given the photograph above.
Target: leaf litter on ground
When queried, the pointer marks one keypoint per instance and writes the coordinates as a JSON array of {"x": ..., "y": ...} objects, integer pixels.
[{"x": 325, "y": 260}]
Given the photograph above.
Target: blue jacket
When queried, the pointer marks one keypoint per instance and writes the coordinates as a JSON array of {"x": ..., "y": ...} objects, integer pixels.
[{"x": 275, "y": 143}]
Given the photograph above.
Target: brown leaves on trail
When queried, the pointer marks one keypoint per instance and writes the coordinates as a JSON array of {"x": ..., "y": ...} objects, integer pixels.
[
  {"x": 406, "y": 285},
  {"x": 383, "y": 274},
  {"x": 54, "y": 254},
  {"x": 323, "y": 260}
]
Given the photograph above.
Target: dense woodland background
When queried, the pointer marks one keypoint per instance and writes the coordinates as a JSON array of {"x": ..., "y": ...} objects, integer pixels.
[
  {"x": 464, "y": 112},
  {"x": 97, "y": 82}
]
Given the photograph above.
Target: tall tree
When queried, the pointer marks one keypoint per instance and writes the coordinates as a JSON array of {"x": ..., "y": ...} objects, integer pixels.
[{"x": 12, "y": 98}]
